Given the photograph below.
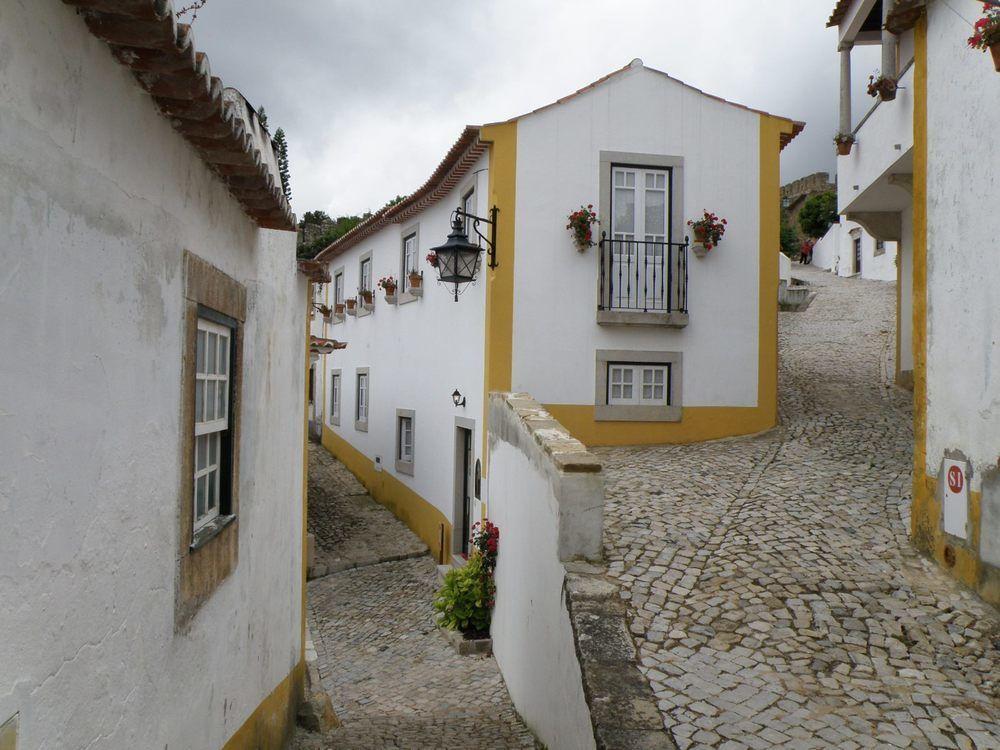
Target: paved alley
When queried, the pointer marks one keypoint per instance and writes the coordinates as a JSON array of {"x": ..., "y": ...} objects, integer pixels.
[
  {"x": 394, "y": 680},
  {"x": 776, "y": 600}
]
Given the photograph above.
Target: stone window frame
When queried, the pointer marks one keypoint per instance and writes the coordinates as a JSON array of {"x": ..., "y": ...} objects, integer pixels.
[
  {"x": 674, "y": 164},
  {"x": 407, "y": 231},
  {"x": 361, "y": 425},
  {"x": 205, "y": 560},
  {"x": 405, "y": 467},
  {"x": 369, "y": 256},
  {"x": 334, "y": 420},
  {"x": 604, "y": 412}
]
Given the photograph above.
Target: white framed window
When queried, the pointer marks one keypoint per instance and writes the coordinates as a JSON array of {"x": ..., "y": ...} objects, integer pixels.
[
  {"x": 365, "y": 274},
  {"x": 410, "y": 262},
  {"x": 335, "y": 387},
  {"x": 338, "y": 288},
  {"x": 405, "y": 440},
  {"x": 469, "y": 207},
  {"x": 638, "y": 384},
  {"x": 213, "y": 350},
  {"x": 361, "y": 396}
]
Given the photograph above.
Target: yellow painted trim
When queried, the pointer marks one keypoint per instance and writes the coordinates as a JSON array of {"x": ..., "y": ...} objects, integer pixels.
[
  {"x": 499, "y": 334},
  {"x": 271, "y": 724},
  {"x": 417, "y": 513},
  {"x": 699, "y": 423}
]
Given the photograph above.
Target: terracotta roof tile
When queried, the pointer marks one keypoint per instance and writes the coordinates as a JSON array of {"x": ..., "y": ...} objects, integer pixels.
[
  {"x": 838, "y": 13},
  {"x": 145, "y": 36}
]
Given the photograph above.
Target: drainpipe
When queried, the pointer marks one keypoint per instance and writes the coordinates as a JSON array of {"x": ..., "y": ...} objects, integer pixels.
[
  {"x": 845, "y": 87},
  {"x": 889, "y": 43}
]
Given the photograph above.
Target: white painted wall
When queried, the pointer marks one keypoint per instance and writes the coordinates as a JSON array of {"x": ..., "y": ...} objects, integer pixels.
[
  {"x": 826, "y": 252},
  {"x": 99, "y": 197},
  {"x": 784, "y": 268},
  {"x": 556, "y": 287},
  {"x": 963, "y": 279},
  {"x": 418, "y": 353},
  {"x": 835, "y": 252},
  {"x": 532, "y": 635}
]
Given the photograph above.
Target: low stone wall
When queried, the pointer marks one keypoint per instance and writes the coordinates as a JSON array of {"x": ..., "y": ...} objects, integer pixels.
[{"x": 559, "y": 627}]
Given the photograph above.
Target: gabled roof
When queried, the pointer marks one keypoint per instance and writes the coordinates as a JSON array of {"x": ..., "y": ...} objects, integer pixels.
[
  {"x": 797, "y": 127},
  {"x": 455, "y": 165},
  {"x": 145, "y": 36},
  {"x": 838, "y": 13},
  {"x": 467, "y": 150}
]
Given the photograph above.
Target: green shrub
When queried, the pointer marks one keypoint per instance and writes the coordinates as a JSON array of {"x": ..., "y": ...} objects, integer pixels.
[{"x": 465, "y": 601}]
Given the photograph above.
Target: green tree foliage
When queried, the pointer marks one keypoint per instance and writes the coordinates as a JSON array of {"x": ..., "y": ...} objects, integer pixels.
[
  {"x": 791, "y": 245},
  {"x": 336, "y": 228},
  {"x": 281, "y": 152},
  {"x": 262, "y": 116},
  {"x": 465, "y": 600},
  {"x": 818, "y": 213},
  {"x": 315, "y": 217}
]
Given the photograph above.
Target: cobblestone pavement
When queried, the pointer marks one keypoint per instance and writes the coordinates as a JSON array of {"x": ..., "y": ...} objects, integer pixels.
[
  {"x": 351, "y": 529},
  {"x": 394, "y": 680},
  {"x": 774, "y": 596}
]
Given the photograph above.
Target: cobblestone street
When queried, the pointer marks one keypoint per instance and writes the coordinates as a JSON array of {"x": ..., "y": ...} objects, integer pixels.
[
  {"x": 394, "y": 680},
  {"x": 775, "y": 598}
]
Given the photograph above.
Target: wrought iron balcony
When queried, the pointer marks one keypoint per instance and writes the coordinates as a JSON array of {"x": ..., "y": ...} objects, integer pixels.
[{"x": 643, "y": 277}]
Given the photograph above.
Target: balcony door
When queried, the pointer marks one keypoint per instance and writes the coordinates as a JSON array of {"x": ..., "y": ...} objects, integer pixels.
[{"x": 640, "y": 216}]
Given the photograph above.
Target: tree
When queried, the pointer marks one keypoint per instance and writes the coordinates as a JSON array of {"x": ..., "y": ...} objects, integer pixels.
[
  {"x": 818, "y": 214},
  {"x": 791, "y": 245},
  {"x": 315, "y": 217},
  {"x": 262, "y": 116},
  {"x": 281, "y": 152}
]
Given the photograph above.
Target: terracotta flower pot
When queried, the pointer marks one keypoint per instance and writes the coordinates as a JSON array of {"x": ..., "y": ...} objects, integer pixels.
[
  {"x": 415, "y": 280},
  {"x": 995, "y": 51},
  {"x": 390, "y": 290},
  {"x": 844, "y": 148},
  {"x": 351, "y": 304},
  {"x": 366, "y": 296},
  {"x": 339, "y": 309}
]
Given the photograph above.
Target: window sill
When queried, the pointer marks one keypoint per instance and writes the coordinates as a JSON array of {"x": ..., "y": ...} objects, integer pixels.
[
  {"x": 337, "y": 318},
  {"x": 365, "y": 310},
  {"x": 407, "y": 297},
  {"x": 209, "y": 531},
  {"x": 640, "y": 318},
  {"x": 334, "y": 421},
  {"x": 404, "y": 467},
  {"x": 361, "y": 426},
  {"x": 605, "y": 413}
]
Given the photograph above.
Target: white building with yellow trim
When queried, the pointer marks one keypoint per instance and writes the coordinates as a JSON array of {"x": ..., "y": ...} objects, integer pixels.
[
  {"x": 633, "y": 341},
  {"x": 922, "y": 171},
  {"x": 152, "y": 394}
]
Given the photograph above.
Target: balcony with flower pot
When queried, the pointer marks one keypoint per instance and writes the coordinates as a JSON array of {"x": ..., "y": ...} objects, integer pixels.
[
  {"x": 351, "y": 307},
  {"x": 366, "y": 302},
  {"x": 388, "y": 285}
]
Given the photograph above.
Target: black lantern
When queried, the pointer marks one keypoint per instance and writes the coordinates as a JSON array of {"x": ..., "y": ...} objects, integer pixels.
[
  {"x": 458, "y": 398},
  {"x": 458, "y": 259}
]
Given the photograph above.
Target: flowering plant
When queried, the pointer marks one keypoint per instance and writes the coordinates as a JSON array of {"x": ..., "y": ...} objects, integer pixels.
[
  {"x": 432, "y": 259},
  {"x": 486, "y": 539},
  {"x": 708, "y": 229},
  {"x": 580, "y": 224},
  {"x": 879, "y": 84},
  {"x": 388, "y": 283},
  {"x": 986, "y": 31},
  {"x": 466, "y": 599}
]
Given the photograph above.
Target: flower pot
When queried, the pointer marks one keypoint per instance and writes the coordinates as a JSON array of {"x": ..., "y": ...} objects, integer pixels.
[
  {"x": 338, "y": 309},
  {"x": 844, "y": 148},
  {"x": 415, "y": 280},
  {"x": 887, "y": 89},
  {"x": 699, "y": 249},
  {"x": 390, "y": 291},
  {"x": 352, "y": 307},
  {"x": 367, "y": 297},
  {"x": 995, "y": 51}
]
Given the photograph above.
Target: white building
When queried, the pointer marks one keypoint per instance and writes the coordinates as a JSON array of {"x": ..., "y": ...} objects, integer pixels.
[
  {"x": 632, "y": 341},
  {"x": 151, "y": 393},
  {"x": 922, "y": 172},
  {"x": 848, "y": 250}
]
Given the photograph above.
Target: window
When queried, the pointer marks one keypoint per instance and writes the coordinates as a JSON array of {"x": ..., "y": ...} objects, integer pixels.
[
  {"x": 410, "y": 262},
  {"x": 338, "y": 288},
  {"x": 362, "y": 392},
  {"x": 213, "y": 354},
  {"x": 405, "y": 419},
  {"x": 335, "y": 397},
  {"x": 469, "y": 207},
  {"x": 365, "y": 278},
  {"x": 879, "y": 247},
  {"x": 640, "y": 385}
]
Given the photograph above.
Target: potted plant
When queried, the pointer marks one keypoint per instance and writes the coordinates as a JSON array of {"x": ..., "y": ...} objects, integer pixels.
[
  {"x": 844, "y": 141},
  {"x": 338, "y": 309},
  {"x": 580, "y": 224},
  {"x": 883, "y": 86},
  {"x": 366, "y": 296},
  {"x": 708, "y": 232},
  {"x": 986, "y": 34},
  {"x": 466, "y": 599},
  {"x": 432, "y": 259},
  {"x": 388, "y": 285},
  {"x": 352, "y": 306},
  {"x": 416, "y": 281}
]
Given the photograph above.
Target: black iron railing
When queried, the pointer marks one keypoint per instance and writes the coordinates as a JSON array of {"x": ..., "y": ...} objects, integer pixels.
[{"x": 643, "y": 276}]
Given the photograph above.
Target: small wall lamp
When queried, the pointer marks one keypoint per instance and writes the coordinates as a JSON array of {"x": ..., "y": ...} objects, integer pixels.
[{"x": 458, "y": 398}]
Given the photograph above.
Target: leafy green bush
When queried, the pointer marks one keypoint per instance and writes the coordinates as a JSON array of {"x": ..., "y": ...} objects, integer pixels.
[{"x": 465, "y": 601}]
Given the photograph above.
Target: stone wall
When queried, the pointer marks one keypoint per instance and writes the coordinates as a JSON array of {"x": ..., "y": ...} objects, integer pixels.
[{"x": 559, "y": 630}]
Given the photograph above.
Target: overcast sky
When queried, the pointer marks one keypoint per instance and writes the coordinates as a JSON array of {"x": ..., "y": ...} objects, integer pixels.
[{"x": 372, "y": 93}]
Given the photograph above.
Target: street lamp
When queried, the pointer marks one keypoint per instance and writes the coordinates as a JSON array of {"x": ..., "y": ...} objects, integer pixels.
[
  {"x": 458, "y": 398},
  {"x": 457, "y": 258}
]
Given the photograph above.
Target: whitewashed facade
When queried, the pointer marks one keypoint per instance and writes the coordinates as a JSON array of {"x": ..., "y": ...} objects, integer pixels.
[
  {"x": 922, "y": 172},
  {"x": 684, "y": 349},
  {"x": 134, "y": 611},
  {"x": 848, "y": 250}
]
